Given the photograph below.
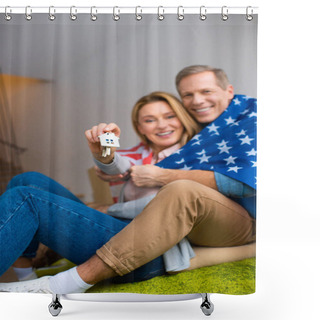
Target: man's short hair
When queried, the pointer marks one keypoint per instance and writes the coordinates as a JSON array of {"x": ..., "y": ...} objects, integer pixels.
[{"x": 221, "y": 77}]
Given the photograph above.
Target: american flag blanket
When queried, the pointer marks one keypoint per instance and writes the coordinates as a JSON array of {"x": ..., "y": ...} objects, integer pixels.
[{"x": 227, "y": 145}]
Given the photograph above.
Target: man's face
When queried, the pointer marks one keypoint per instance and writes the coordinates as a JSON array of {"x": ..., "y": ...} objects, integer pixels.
[{"x": 202, "y": 97}]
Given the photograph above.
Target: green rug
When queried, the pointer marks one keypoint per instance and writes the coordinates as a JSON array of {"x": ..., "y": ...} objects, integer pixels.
[{"x": 228, "y": 278}]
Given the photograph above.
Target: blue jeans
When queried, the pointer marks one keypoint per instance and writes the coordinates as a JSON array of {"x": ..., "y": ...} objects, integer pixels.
[{"x": 36, "y": 209}]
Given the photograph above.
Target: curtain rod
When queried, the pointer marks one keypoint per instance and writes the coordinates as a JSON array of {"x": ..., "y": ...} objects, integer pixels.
[
  {"x": 138, "y": 11},
  {"x": 130, "y": 10}
]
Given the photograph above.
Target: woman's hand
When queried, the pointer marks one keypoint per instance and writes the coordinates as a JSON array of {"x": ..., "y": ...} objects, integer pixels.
[
  {"x": 92, "y": 136},
  {"x": 148, "y": 176}
]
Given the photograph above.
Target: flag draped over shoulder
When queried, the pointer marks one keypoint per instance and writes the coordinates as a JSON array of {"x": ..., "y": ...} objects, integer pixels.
[{"x": 227, "y": 145}]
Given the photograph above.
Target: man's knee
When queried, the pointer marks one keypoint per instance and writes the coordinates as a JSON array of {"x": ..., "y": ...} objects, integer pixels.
[
  {"x": 186, "y": 189},
  {"x": 179, "y": 186}
]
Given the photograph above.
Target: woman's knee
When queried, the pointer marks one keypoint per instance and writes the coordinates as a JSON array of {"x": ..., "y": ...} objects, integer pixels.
[
  {"x": 24, "y": 179},
  {"x": 19, "y": 192}
]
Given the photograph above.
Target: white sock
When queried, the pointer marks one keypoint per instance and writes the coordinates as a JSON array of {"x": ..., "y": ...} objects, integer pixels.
[
  {"x": 68, "y": 282},
  {"x": 24, "y": 273}
]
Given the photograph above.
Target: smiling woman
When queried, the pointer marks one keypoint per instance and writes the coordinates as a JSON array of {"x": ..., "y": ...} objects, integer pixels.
[
  {"x": 160, "y": 125},
  {"x": 171, "y": 105}
]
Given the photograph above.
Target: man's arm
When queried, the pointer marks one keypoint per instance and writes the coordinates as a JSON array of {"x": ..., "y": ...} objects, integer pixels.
[{"x": 153, "y": 176}]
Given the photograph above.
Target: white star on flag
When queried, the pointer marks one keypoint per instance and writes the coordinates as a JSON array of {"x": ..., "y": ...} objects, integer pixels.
[
  {"x": 252, "y": 152},
  {"x": 202, "y": 152},
  {"x": 204, "y": 158},
  {"x": 181, "y": 161},
  {"x": 196, "y": 137},
  {"x": 222, "y": 143},
  {"x": 213, "y": 128},
  {"x": 230, "y": 120},
  {"x": 252, "y": 114},
  {"x": 235, "y": 169},
  {"x": 254, "y": 164},
  {"x": 186, "y": 167},
  {"x": 246, "y": 140},
  {"x": 225, "y": 149},
  {"x": 237, "y": 102},
  {"x": 230, "y": 160},
  {"x": 236, "y": 123},
  {"x": 244, "y": 112},
  {"x": 241, "y": 133}
]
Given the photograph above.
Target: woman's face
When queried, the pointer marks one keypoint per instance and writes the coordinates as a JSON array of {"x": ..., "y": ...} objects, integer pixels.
[{"x": 160, "y": 125}]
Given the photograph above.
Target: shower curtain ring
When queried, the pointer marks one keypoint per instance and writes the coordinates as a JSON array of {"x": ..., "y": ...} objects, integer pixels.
[
  {"x": 93, "y": 15},
  {"x": 73, "y": 13},
  {"x": 180, "y": 13},
  {"x": 28, "y": 13},
  {"x": 116, "y": 16},
  {"x": 138, "y": 16},
  {"x": 160, "y": 15},
  {"x": 203, "y": 13},
  {"x": 52, "y": 11},
  {"x": 224, "y": 13},
  {"x": 6, "y": 14},
  {"x": 249, "y": 16}
]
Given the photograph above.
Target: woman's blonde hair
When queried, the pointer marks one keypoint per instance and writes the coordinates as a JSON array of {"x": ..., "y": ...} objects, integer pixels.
[{"x": 190, "y": 126}]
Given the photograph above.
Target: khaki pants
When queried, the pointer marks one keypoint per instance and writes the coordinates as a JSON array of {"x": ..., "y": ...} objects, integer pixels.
[{"x": 181, "y": 209}]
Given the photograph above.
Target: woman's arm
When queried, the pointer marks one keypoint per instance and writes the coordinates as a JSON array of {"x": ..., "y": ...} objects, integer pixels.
[
  {"x": 119, "y": 165},
  {"x": 208, "y": 256},
  {"x": 129, "y": 209}
]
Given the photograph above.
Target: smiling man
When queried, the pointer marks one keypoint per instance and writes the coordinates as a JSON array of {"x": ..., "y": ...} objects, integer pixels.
[{"x": 205, "y": 92}]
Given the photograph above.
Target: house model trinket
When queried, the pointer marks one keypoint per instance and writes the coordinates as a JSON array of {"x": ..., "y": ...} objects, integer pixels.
[{"x": 107, "y": 141}]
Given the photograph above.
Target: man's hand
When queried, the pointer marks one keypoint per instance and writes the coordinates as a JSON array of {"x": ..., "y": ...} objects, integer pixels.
[
  {"x": 148, "y": 176},
  {"x": 110, "y": 178},
  {"x": 152, "y": 176}
]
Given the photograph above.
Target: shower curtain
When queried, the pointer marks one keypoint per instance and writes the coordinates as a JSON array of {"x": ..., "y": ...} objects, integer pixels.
[{"x": 65, "y": 70}]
